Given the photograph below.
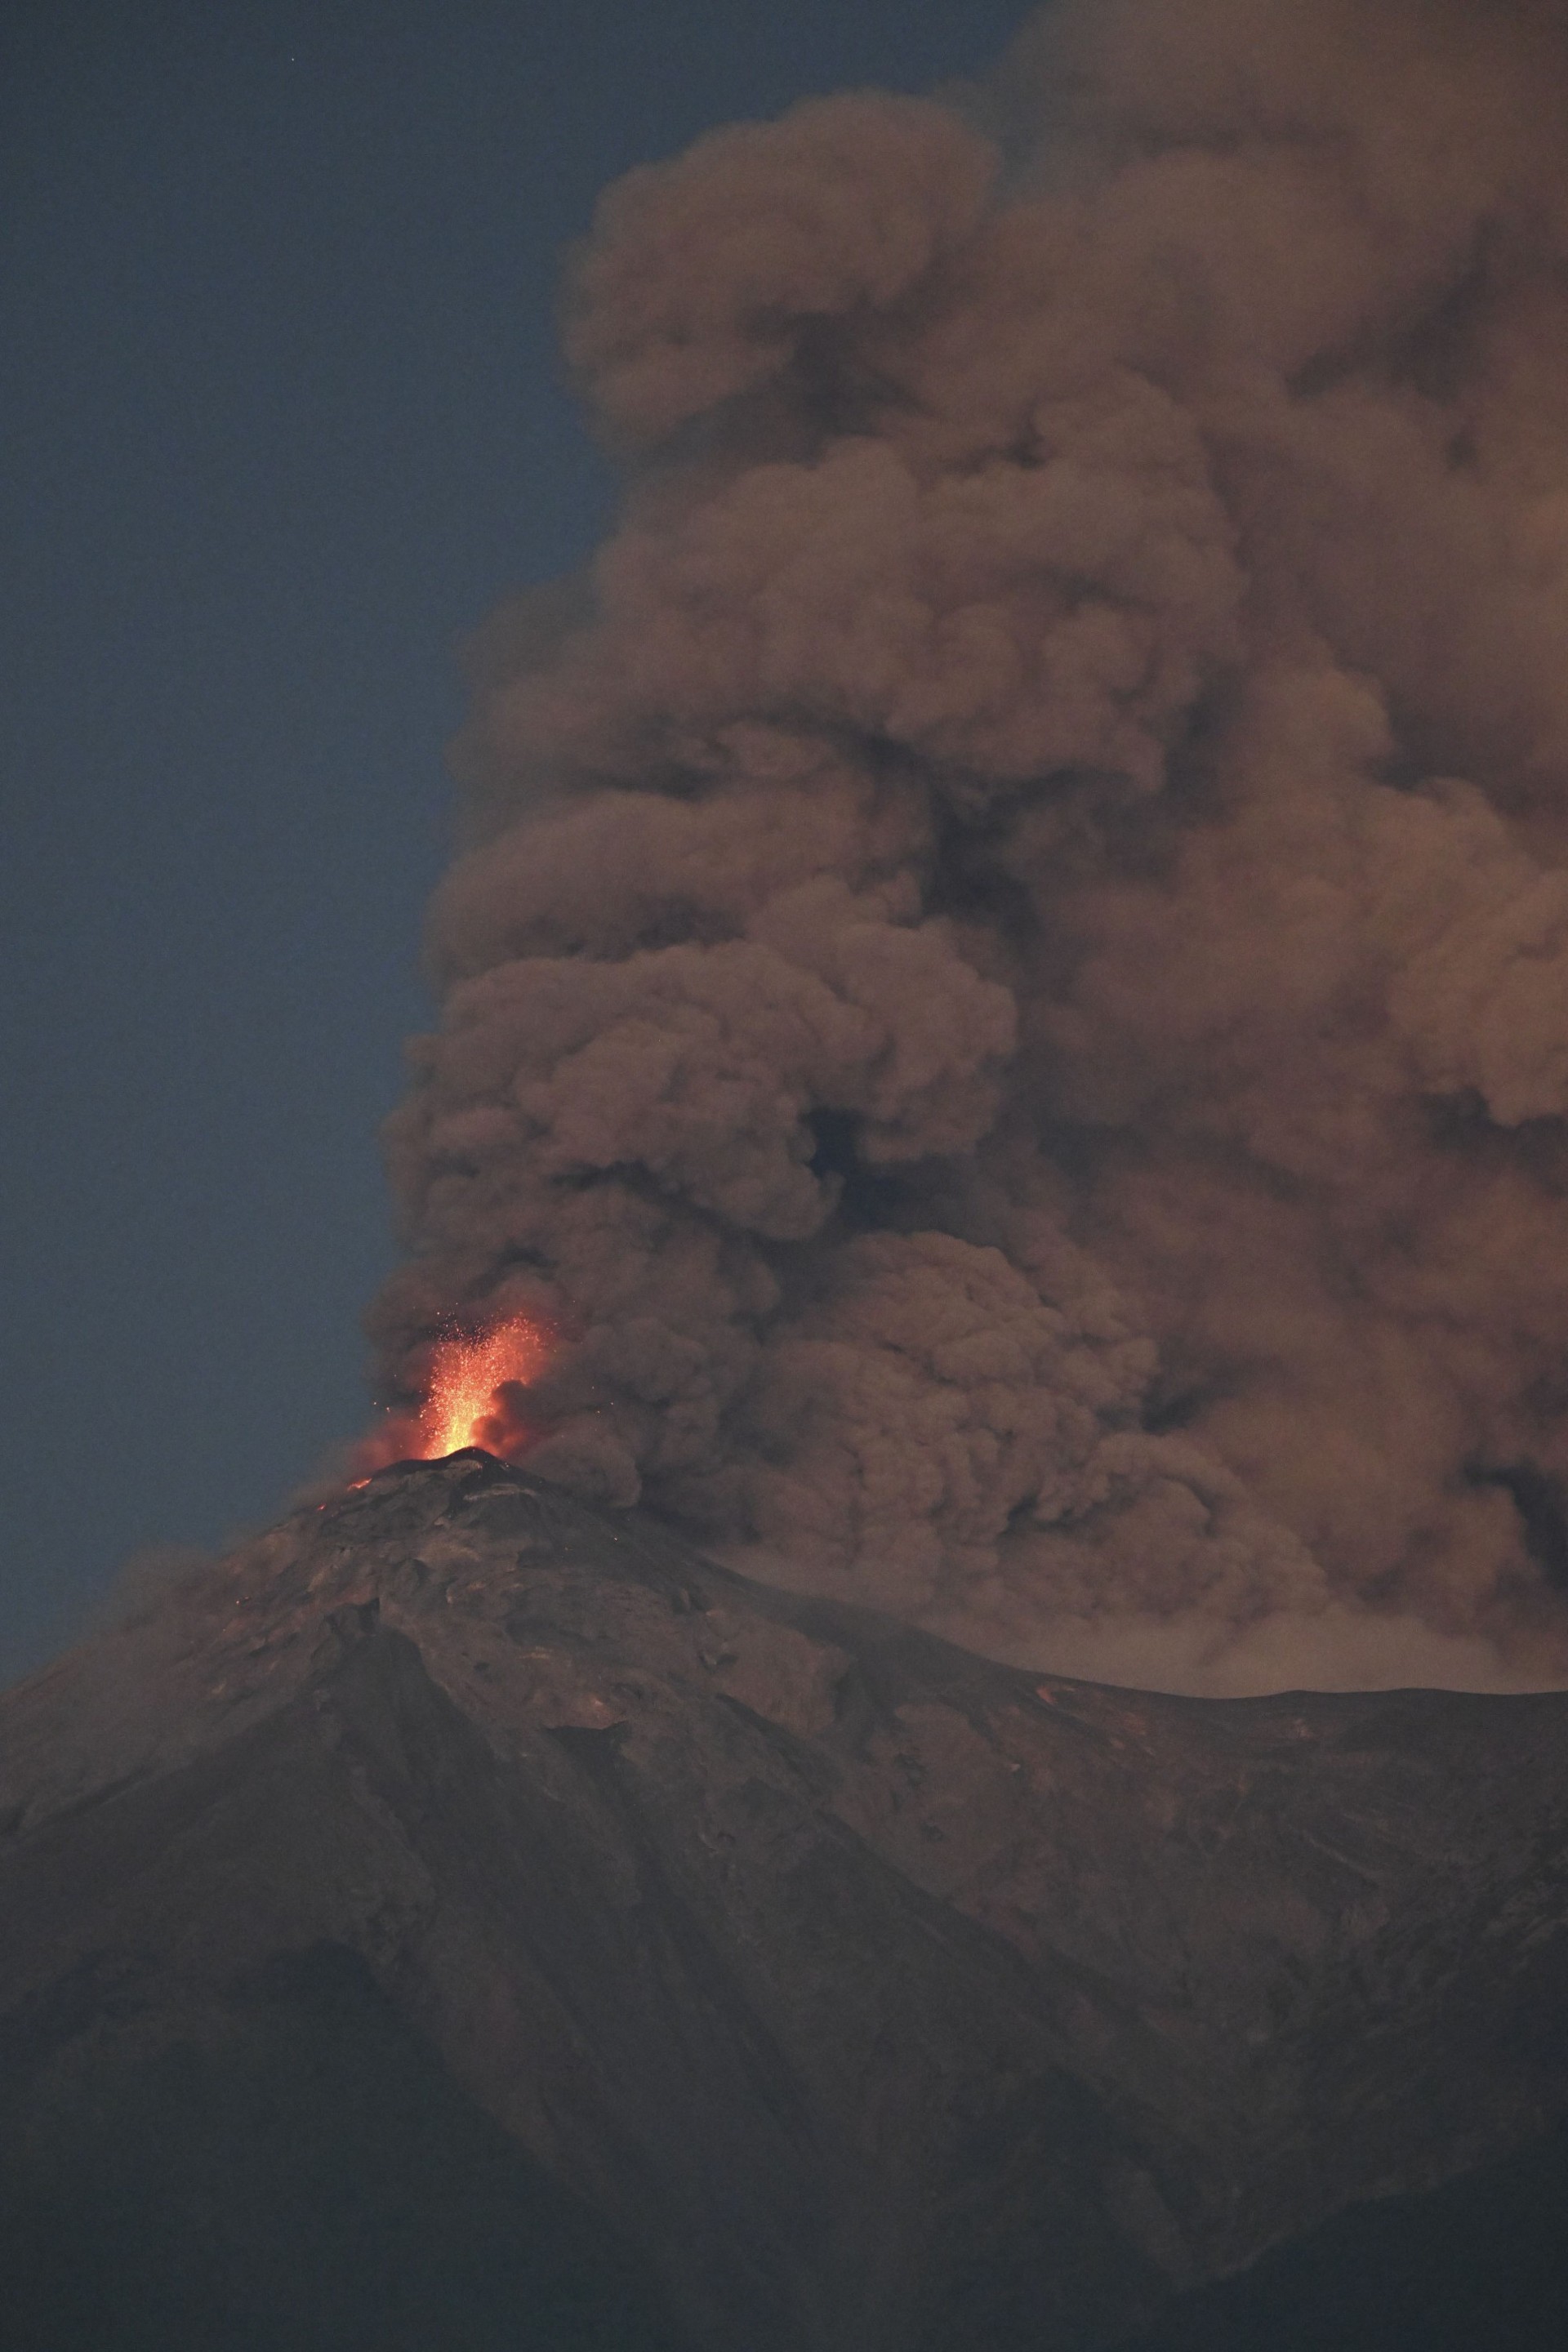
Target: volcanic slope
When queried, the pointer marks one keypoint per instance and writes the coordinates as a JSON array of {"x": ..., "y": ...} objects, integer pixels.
[{"x": 465, "y": 1916}]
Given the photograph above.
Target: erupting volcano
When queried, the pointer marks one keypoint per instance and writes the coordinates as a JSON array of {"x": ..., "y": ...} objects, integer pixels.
[
  {"x": 1005, "y": 982},
  {"x": 1002, "y": 1068}
]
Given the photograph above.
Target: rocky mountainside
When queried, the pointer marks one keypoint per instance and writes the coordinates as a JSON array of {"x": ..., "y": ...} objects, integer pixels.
[{"x": 461, "y": 1918}]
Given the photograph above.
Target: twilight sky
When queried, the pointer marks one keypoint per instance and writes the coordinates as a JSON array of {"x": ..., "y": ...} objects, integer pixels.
[{"x": 281, "y": 420}]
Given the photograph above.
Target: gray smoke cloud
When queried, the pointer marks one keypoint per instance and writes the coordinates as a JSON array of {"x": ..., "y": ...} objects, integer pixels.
[{"x": 1006, "y": 993}]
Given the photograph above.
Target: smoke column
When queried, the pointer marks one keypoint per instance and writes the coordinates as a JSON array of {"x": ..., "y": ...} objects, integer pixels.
[{"x": 1006, "y": 989}]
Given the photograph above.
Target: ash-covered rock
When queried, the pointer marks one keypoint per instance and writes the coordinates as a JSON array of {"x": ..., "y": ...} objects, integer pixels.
[{"x": 842, "y": 1989}]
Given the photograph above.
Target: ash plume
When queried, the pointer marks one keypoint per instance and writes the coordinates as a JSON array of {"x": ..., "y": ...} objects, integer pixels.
[{"x": 1006, "y": 993}]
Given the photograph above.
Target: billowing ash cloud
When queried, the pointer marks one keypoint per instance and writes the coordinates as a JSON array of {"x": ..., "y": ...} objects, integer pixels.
[{"x": 1008, "y": 994}]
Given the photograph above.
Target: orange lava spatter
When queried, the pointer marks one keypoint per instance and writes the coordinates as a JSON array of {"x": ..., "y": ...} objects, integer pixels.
[{"x": 463, "y": 1406}]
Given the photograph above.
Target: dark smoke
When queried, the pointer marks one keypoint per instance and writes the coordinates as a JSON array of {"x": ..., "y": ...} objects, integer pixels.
[{"x": 1009, "y": 989}]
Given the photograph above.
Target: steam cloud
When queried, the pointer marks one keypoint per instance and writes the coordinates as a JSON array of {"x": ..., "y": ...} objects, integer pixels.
[{"x": 1007, "y": 993}]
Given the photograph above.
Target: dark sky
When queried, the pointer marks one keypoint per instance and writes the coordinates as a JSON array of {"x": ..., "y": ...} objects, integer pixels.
[{"x": 280, "y": 419}]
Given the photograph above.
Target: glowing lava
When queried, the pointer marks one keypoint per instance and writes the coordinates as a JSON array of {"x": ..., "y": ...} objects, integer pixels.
[
  {"x": 470, "y": 1374},
  {"x": 475, "y": 1393}
]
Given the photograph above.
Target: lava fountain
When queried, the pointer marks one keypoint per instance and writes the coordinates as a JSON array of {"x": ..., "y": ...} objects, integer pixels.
[
  {"x": 474, "y": 1395},
  {"x": 469, "y": 1401}
]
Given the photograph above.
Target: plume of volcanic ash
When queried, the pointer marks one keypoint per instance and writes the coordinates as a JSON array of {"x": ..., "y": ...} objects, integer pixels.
[{"x": 1006, "y": 996}]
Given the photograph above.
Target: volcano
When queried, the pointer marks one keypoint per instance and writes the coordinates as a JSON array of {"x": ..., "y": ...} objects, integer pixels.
[{"x": 466, "y": 1916}]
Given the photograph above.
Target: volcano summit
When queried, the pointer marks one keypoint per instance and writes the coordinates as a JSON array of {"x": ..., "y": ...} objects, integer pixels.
[{"x": 462, "y": 1916}]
